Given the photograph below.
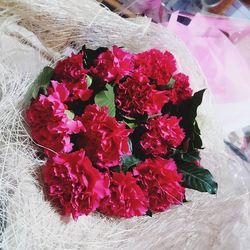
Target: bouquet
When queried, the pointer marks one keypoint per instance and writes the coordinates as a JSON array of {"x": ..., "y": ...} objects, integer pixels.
[{"x": 119, "y": 133}]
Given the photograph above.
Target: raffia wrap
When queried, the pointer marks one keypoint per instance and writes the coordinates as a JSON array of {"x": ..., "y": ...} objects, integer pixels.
[{"x": 37, "y": 33}]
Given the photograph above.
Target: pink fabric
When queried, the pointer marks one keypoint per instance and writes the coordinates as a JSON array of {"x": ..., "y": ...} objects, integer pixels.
[{"x": 226, "y": 69}]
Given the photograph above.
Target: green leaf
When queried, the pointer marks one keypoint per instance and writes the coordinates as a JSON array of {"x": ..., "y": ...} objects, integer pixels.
[
  {"x": 197, "y": 178},
  {"x": 70, "y": 114},
  {"x": 116, "y": 169},
  {"x": 196, "y": 140},
  {"x": 129, "y": 118},
  {"x": 131, "y": 124},
  {"x": 153, "y": 116},
  {"x": 149, "y": 213},
  {"x": 42, "y": 82},
  {"x": 90, "y": 55},
  {"x": 195, "y": 102},
  {"x": 107, "y": 98},
  {"x": 130, "y": 144},
  {"x": 196, "y": 128},
  {"x": 128, "y": 161},
  {"x": 171, "y": 83},
  {"x": 188, "y": 109},
  {"x": 187, "y": 157},
  {"x": 188, "y": 112},
  {"x": 89, "y": 80},
  {"x": 176, "y": 151}
]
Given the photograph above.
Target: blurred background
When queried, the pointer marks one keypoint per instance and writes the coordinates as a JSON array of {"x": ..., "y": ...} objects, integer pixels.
[
  {"x": 217, "y": 33},
  {"x": 232, "y": 8}
]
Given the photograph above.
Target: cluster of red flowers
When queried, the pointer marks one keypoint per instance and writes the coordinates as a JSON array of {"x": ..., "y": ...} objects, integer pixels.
[{"x": 96, "y": 159}]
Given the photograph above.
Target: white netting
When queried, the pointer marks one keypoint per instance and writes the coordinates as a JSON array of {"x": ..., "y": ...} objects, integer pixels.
[{"x": 38, "y": 34}]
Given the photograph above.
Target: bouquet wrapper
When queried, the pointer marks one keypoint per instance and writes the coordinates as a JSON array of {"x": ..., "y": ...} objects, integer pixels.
[
  {"x": 205, "y": 36},
  {"x": 37, "y": 33}
]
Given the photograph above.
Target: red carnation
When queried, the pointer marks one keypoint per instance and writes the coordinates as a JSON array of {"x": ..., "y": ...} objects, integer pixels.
[
  {"x": 126, "y": 198},
  {"x": 160, "y": 181},
  {"x": 136, "y": 96},
  {"x": 50, "y": 126},
  {"x": 71, "y": 72},
  {"x": 156, "y": 65},
  {"x": 181, "y": 90},
  {"x": 112, "y": 65},
  {"x": 79, "y": 90},
  {"x": 70, "y": 69},
  {"x": 105, "y": 140},
  {"x": 74, "y": 184},
  {"x": 162, "y": 135}
]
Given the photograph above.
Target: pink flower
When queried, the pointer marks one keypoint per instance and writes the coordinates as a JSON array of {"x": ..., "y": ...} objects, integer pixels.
[
  {"x": 136, "y": 96},
  {"x": 105, "y": 140},
  {"x": 160, "y": 182},
  {"x": 112, "y": 65},
  {"x": 156, "y": 65},
  {"x": 181, "y": 90},
  {"x": 162, "y": 135},
  {"x": 126, "y": 197},
  {"x": 50, "y": 126},
  {"x": 58, "y": 91},
  {"x": 71, "y": 72},
  {"x": 74, "y": 185}
]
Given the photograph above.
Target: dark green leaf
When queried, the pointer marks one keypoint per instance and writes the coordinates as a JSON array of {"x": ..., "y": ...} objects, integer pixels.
[
  {"x": 153, "y": 116},
  {"x": 176, "y": 151},
  {"x": 90, "y": 55},
  {"x": 141, "y": 118},
  {"x": 70, "y": 114},
  {"x": 149, "y": 213},
  {"x": 188, "y": 112},
  {"x": 170, "y": 108},
  {"x": 197, "y": 178},
  {"x": 196, "y": 140},
  {"x": 196, "y": 128},
  {"x": 188, "y": 109},
  {"x": 89, "y": 80},
  {"x": 116, "y": 169},
  {"x": 129, "y": 118},
  {"x": 42, "y": 82},
  {"x": 171, "y": 83},
  {"x": 107, "y": 98},
  {"x": 128, "y": 161},
  {"x": 130, "y": 122},
  {"x": 195, "y": 102},
  {"x": 130, "y": 145},
  {"x": 187, "y": 157}
]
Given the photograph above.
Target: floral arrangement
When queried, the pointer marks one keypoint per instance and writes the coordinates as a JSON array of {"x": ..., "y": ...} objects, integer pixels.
[{"x": 119, "y": 133}]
